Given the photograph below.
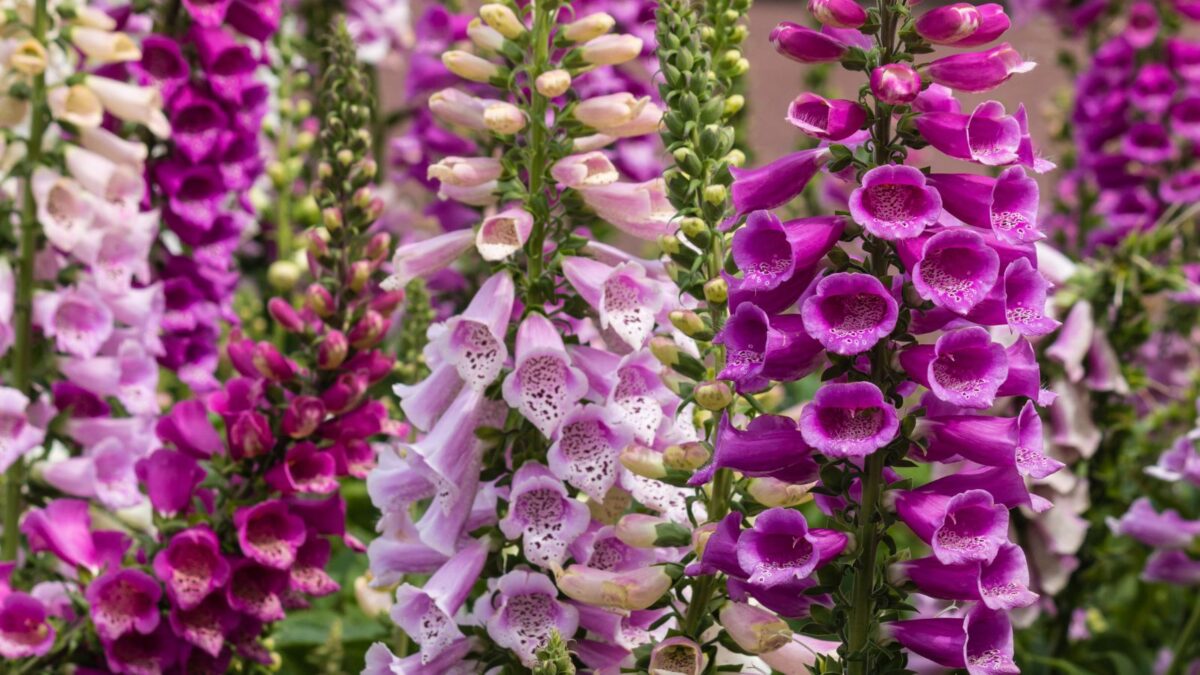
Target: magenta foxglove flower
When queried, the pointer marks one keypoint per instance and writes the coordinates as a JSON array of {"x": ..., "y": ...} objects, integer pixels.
[
  {"x": 256, "y": 591},
  {"x": 987, "y": 136},
  {"x": 207, "y": 12},
  {"x": 991, "y": 441},
  {"x": 948, "y": 24},
  {"x": 1025, "y": 292},
  {"x": 1153, "y": 89},
  {"x": 122, "y": 601},
  {"x": 822, "y": 118},
  {"x": 895, "y": 83},
  {"x": 1007, "y": 205},
  {"x": 848, "y": 313},
  {"x": 964, "y": 368},
  {"x": 542, "y": 515},
  {"x": 191, "y": 566},
  {"x": 205, "y": 625},
  {"x": 525, "y": 612},
  {"x": 1149, "y": 143},
  {"x": 803, "y": 44},
  {"x": 968, "y": 527},
  {"x": 587, "y": 448},
  {"x": 304, "y": 469},
  {"x": 625, "y": 299},
  {"x": 957, "y": 269},
  {"x": 981, "y": 642},
  {"x": 1002, "y": 584},
  {"x": 427, "y": 613},
  {"x": 849, "y": 419},
  {"x": 1172, "y": 567},
  {"x": 838, "y": 13},
  {"x": 777, "y": 183},
  {"x": 761, "y": 348},
  {"x": 543, "y": 385},
  {"x": 1160, "y": 530},
  {"x": 780, "y": 548},
  {"x": 63, "y": 528},
  {"x": 895, "y": 203},
  {"x": 171, "y": 479},
  {"x": 979, "y": 71},
  {"x": 18, "y": 435},
  {"x": 269, "y": 534},
  {"x": 24, "y": 629},
  {"x": 771, "y": 445},
  {"x": 153, "y": 652},
  {"x": 770, "y": 253},
  {"x": 308, "y": 575}
]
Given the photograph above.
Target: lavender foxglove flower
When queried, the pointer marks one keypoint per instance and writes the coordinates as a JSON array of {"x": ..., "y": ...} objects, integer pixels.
[
  {"x": 848, "y": 420},
  {"x": 895, "y": 203},
  {"x": 849, "y": 313},
  {"x": 542, "y": 515},
  {"x": 525, "y": 612},
  {"x": 543, "y": 383}
]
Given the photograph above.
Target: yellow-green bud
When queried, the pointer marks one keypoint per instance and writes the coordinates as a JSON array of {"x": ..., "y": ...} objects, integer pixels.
[
  {"x": 735, "y": 157},
  {"x": 303, "y": 108},
  {"x": 665, "y": 350},
  {"x": 772, "y": 492},
  {"x": 643, "y": 461},
  {"x": 688, "y": 322},
  {"x": 741, "y": 67},
  {"x": 714, "y": 395},
  {"x": 503, "y": 20},
  {"x": 693, "y": 227},
  {"x": 668, "y": 243},
  {"x": 278, "y": 174},
  {"x": 716, "y": 291},
  {"x": 686, "y": 457},
  {"x": 731, "y": 57},
  {"x": 331, "y": 218},
  {"x": 715, "y": 194},
  {"x": 283, "y": 275},
  {"x": 734, "y": 104}
]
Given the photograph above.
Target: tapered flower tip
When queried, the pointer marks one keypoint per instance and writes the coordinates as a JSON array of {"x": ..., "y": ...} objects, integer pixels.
[
  {"x": 822, "y": 118},
  {"x": 979, "y": 71},
  {"x": 806, "y": 45},
  {"x": 770, "y": 444},
  {"x": 973, "y": 529},
  {"x": 993, "y": 23},
  {"x": 503, "y": 234},
  {"x": 895, "y": 203},
  {"x": 957, "y": 270},
  {"x": 426, "y": 257},
  {"x": 777, "y": 183},
  {"x": 588, "y": 169},
  {"x": 848, "y": 313},
  {"x": 269, "y": 534},
  {"x": 849, "y": 419},
  {"x": 123, "y": 601}
]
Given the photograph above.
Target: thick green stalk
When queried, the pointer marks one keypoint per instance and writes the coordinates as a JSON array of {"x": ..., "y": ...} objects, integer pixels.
[
  {"x": 22, "y": 372},
  {"x": 544, "y": 16}
]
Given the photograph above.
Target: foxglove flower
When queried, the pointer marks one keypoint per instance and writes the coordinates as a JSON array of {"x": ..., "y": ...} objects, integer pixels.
[
  {"x": 543, "y": 385},
  {"x": 776, "y": 183},
  {"x": 848, "y": 420},
  {"x": 981, "y": 642},
  {"x": 956, "y": 270},
  {"x": 123, "y": 601},
  {"x": 269, "y": 534},
  {"x": 964, "y": 368},
  {"x": 542, "y": 515},
  {"x": 968, "y": 527},
  {"x": 626, "y": 301},
  {"x": 979, "y": 71},
  {"x": 781, "y": 549},
  {"x": 895, "y": 203},
  {"x": 849, "y": 313},
  {"x": 828, "y": 120}
]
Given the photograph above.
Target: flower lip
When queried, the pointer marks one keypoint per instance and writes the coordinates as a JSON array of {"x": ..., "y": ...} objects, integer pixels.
[
  {"x": 957, "y": 269},
  {"x": 849, "y": 419},
  {"x": 826, "y": 119},
  {"x": 895, "y": 203},
  {"x": 848, "y": 313}
]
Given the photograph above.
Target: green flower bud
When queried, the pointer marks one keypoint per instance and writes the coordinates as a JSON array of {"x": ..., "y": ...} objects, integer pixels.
[
  {"x": 714, "y": 395},
  {"x": 715, "y": 194},
  {"x": 716, "y": 291},
  {"x": 283, "y": 275}
]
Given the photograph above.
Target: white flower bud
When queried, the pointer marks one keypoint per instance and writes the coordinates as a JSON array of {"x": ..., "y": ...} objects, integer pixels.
[
  {"x": 504, "y": 118},
  {"x": 553, "y": 83},
  {"x": 469, "y": 67},
  {"x": 503, "y": 19},
  {"x": 589, "y": 27},
  {"x": 611, "y": 50}
]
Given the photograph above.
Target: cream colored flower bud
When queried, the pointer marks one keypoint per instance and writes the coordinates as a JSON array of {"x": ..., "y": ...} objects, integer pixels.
[
  {"x": 754, "y": 629},
  {"x": 141, "y": 105},
  {"x": 29, "y": 58},
  {"x": 484, "y": 36},
  {"x": 107, "y": 144},
  {"x": 553, "y": 83},
  {"x": 77, "y": 105},
  {"x": 612, "y": 110},
  {"x": 774, "y": 492},
  {"x": 104, "y": 47},
  {"x": 92, "y": 18},
  {"x": 503, "y": 19},
  {"x": 611, "y": 50},
  {"x": 371, "y": 601},
  {"x": 504, "y": 118},
  {"x": 12, "y": 111},
  {"x": 469, "y": 67},
  {"x": 589, "y": 27}
]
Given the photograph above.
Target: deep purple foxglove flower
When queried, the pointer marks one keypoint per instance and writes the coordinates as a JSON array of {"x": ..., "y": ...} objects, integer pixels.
[
  {"x": 964, "y": 368},
  {"x": 207, "y": 13},
  {"x": 822, "y": 118},
  {"x": 771, "y": 445},
  {"x": 1143, "y": 25},
  {"x": 269, "y": 534},
  {"x": 1025, "y": 292},
  {"x": 1160, "y": 530},
  {"x": 122, "y": 601},
  {"x": 171, "y": 479},
  {"x": 981, "y": 642},
  {"x": 1153, "y": 89},
  {"x": 525, "y": 612},
  {"x": 205, "y": 625},
  {"x": 780, "y": 548},
  {"x": 427, "y": 613},
  {"x": 1002, "y": 584},
  {"x": 256, "y": 591},
  {"x": 777, "y": 183},
  {"x": 895, "y": 83},
  {"x": 1149, "y": 143},
  {"x": 1008, "y": 204},
  {"x": 991, "y": 441},
  {"x": 227, "y": 62},
  {"x": 308, "y": 575},
  {"x": 848, "y": 313},
  {"x": 625, "y": 299},
  {"x": 542, "y": 515},
  {"x": 543, "y": 385},
  {"x": 256, "y": 19},
  {"x": 24, "y": 629},
  {"x": 154, "y": 652},
  {"x": 761, "y": 348},
  {"x": 770, "y": 253},
  {"x": 848, "y": 420},
  {"x": 191, "y": 566},
  {"x": 803, "y": 44},
  {"x": 988, "y": 136},
  {"x": 968, "y": 527},
  {"x": 979, "y": 71},
  {"x": 894, "y": 202},
  {"x": 948, "y": 24},
  {"x": 187, "y": 427},
  {"x": 587, "y": 448},
  {"x": 957, "y": 269}
]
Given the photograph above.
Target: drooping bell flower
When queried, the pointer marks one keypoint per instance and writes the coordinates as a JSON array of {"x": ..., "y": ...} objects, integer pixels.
[
  {"x": 776, "y": 183},
  {"x": 761, "y": 348},
  {"x": 1007, "y": 205},
  {"x": 979, "y": 71},
  {"x": 304, "y": 469},
  {"x": 24, "y": 629},
  {"x": 780, "y": 548},
  {"x": 542, "y": 515},
  {"x": 957, "y": 269},
  {"x": 1071, "y": 346},
  {"x": 640, "y": 210},
  {"x": 256, "y": 591},
  {"x": 525, "y": 612},
  {"x": 1002, "y": 584},
  {"x": 964, "y": 368},
  {"x": 427, "y": 614},
  {"x": 63, "y": 527},
  {"x": 503, "y": 234},
  {"x": 754, "y": 629},
  {"x": 987, "y": 136},
  {"x": 625, "y": 299},
  {"x": 308, "y": 575},
  {"x": 803, "y": 44},
  {"x": 426, "y": 257},
  {"x": 848, "y": 313},
  {"x": 981, "y": 642},
  {"x": 621, "y": 591},
  {"x": 895, "y": 203},
  {"x": 1172, "y": 567},
  {"x": 171, "y": 479},
  {"x": 122, "y": 601},
  {"x": 1160, "y": 530},
  {"x": 822, "y": 118},
  {"x": 771, "y": 445},
  {"x": 586, "y": 169},
  {"x": 771, "y": 253},
  {"x": 1149, "y": 143},
  {"x": 895, "y": 83},
  {"x": 191, "y": 566},
  {"x": 968, "y": 527},
  {"x": 18, "y": 435},
  {"x": 269, "y": 534},
  {"x": 991, "y": 441},
  {"x": 849, "y": 419},
  {"x": 78, "y": 319},
  {"x": 204, "y": 626},
  {"x": 586, "y": 452},
  {"x": 543, "y": 385}
]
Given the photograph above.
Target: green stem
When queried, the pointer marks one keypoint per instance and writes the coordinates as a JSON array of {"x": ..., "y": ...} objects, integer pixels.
[
  {"x": 1186, "y": 637},
  {"x": 22, "y": 372},
  {"x": 543, "y": 21}
]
